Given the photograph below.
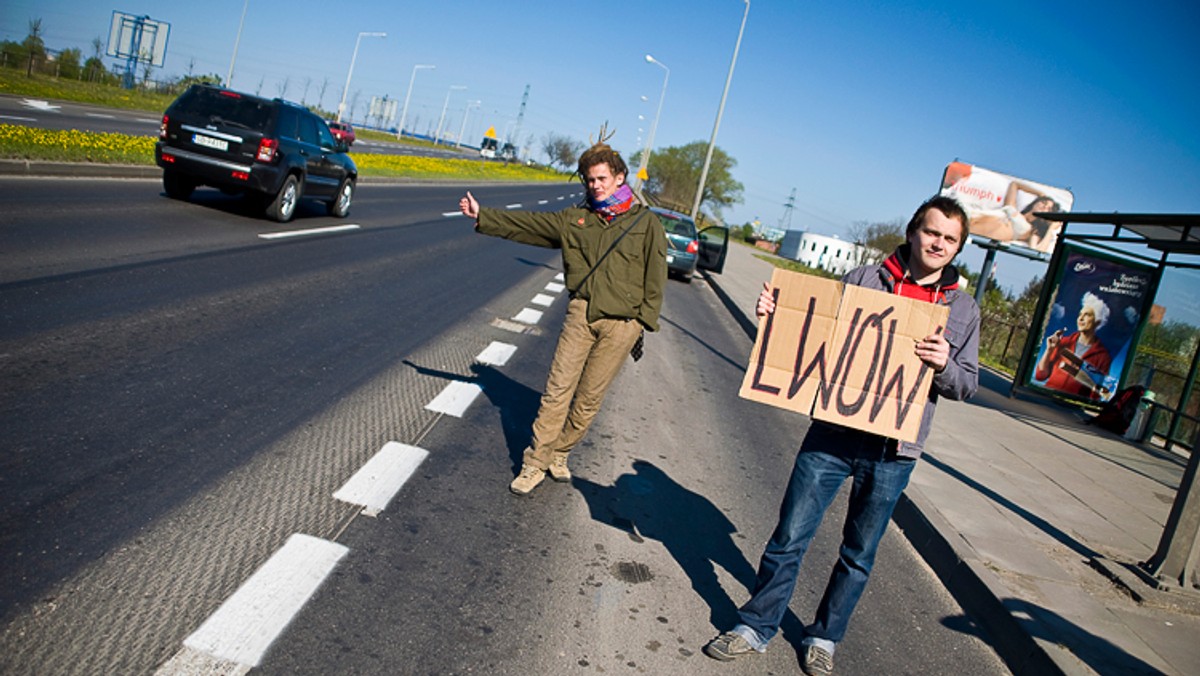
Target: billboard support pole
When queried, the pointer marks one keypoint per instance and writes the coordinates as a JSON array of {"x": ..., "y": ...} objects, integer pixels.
[{"x": 989, "y": 259}]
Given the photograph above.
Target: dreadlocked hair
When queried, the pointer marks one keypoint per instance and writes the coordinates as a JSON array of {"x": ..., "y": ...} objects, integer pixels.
[{"x": 602, "y": 153}]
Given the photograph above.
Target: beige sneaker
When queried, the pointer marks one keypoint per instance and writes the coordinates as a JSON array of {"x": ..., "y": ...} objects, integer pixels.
[
  {"x": 527, "y": 480},
  {"x": 559, "y": 470}
]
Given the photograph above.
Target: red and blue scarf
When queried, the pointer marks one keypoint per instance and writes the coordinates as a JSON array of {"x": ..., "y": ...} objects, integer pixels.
[{"x": 615, "y": 204}]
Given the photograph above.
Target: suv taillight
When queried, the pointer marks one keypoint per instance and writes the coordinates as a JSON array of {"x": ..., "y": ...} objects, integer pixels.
[
  {"x": 162, "y": 129},
  {"x": 693, "y": 246},
  {"x": 266, "y": 150}
]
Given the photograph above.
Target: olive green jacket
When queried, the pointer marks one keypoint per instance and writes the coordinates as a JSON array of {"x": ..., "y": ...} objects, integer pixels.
[{"x": 629, "y": 282}]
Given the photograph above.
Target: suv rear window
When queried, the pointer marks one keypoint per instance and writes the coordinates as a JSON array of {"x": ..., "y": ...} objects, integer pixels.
[
  {"x": 226, "y": 107},
  {"x": 677, "y": 225}
]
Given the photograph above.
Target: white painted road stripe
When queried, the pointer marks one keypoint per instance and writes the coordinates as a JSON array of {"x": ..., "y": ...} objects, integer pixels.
[
  {"x": 512, "y": 206},
  {"x": 555, "y": 287},
  {"x": 455, "y": 398},
  {"x": 101, "y": 116},
  {"x": 559, "y": 277},
  {"x": 543, "y": 201},
  {"x": 543, "y": 300},
  {"x": 528, "y": 316},
  {"x": 18, "y": 118},
  {"x": 448, "y": 214},
  {"x": 249, "y": 621},
  {"x": 377, "y": 482},
  {"x": 303, "y": 233},
  {"x": 496, "y": 354}
]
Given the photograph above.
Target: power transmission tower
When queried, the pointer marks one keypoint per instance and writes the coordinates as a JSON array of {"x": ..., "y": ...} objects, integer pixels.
[
  {"x": 520, "y": 116},
  {"x": 785, "y": 221}
]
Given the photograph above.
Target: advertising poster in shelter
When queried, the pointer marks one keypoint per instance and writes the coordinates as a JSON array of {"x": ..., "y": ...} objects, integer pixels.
[
  {"x": 844, "y": 354},
  {"x": 1003, "y": 207},
  {"x": 1098, "y": 306}
]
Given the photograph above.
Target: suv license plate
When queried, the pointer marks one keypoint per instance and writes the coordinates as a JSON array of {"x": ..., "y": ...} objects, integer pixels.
[{"x": 210, "y": 142}]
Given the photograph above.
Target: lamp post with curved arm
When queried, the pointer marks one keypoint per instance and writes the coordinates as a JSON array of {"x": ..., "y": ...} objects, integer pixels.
[
  {"x": 437, "y": 136},
  {"x": 653, "y": 127},
  {"x": 463, "y": 129},
  {"x": 721, "y": 109},
  {"x": 350, "y": 73},
  {"x": 404, "y": 112}
]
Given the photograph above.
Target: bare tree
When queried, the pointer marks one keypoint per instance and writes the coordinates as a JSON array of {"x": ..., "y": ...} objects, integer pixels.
[
  {"x": 876, "y": 241},
  {"x": 282, "y": 87},
  {"x": 561, "y": 150},
  {"x": 321, "y": 98},
  {"x": 304, "y": 96}
]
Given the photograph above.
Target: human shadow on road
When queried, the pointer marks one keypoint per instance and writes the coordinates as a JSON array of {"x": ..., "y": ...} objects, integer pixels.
[
  {"x": 516, "y": 403},
  {"x": 648, "y": 503},
  {"x": 1037, "y": 521},
  {"x": 1102, "y": 655}
]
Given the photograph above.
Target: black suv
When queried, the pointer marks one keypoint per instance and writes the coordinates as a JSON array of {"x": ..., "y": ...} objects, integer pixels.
[{"x": 271, "y": 149}]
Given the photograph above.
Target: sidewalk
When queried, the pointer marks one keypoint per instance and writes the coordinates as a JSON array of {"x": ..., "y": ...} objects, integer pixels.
[{"x": 1019, "y": 507}]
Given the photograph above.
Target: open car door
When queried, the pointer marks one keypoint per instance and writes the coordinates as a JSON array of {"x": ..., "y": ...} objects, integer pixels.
[{"x": 714, "y": 243}]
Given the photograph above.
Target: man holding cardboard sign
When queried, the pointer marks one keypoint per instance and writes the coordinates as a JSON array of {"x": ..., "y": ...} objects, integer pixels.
[{"x": 869, "y": 363}]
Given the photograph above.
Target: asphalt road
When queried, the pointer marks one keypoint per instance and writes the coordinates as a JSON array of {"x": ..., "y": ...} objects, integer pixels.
[{"x": 183, "y": 398}]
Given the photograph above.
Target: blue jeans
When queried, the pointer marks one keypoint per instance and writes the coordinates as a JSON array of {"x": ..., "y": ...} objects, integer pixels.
[{"x": 816, "y": 478}]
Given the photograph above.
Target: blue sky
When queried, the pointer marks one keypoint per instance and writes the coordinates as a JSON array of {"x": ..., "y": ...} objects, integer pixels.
[{"x": 855, "y": 106}]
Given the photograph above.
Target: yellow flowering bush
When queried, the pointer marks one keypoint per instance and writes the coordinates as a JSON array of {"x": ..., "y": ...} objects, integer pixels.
[{"x": 31, "y": 143}]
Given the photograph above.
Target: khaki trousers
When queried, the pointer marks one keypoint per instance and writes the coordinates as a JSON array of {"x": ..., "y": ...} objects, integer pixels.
[{"x": 588, "y": 357}]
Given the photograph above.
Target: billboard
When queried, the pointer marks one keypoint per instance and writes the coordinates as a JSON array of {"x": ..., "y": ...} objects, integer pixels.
[
  {"x": 1087, "y": 337},
  {"x": 1001, "y": 207}
]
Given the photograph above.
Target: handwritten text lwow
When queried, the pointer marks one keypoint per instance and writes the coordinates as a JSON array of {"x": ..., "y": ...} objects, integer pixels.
[{"x": 843, "y": 354}]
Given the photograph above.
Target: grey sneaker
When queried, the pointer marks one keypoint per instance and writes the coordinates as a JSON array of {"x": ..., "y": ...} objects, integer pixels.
[
  {"x": 817, "y": 661},
  {"x": 527, "y": 480},
  {"x": 728, "y": 646},
  {"x": 559, "y": 470}
]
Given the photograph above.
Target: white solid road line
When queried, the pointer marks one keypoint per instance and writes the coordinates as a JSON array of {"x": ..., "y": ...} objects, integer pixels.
[
  {"x": 455, "y": 398},
  {"x": 496, "y": 354},
  {"x": 375, "y": 484},
  {"x": 242, "y": 629},
  {"x": 311, "y": 231}
]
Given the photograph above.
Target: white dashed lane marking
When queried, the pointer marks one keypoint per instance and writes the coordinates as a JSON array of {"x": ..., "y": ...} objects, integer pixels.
[
  {"x": 542, "y": 300},
  {"x": 496, "y": 354},
  {"x": 377, "y": 482},
  {"x": 311, "y": 231},
  {"x": 249, "y": 621},
  {"x": 528, "y": 316},
  {"x": 455, "y": 398},
  {"x": 555, "y": 287}
]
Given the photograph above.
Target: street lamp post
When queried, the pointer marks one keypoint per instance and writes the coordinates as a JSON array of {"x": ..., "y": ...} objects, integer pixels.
[
  {"x": 342, "y": 105},
  {"x": 437, "y": 136},
  {"x": 404, "y": 112},
  {"x": 720, "y": 110},
  {"x": 237, "y": 41},
  {"x": 463, "y": 128},
  {"x": 653, "y": 127}
]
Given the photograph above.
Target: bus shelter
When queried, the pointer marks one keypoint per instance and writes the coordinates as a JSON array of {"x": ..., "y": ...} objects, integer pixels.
[{"x": 1109, "y": 268}]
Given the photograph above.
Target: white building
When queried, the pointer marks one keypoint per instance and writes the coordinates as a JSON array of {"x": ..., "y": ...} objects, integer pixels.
[{"x": 821, "y": 251}]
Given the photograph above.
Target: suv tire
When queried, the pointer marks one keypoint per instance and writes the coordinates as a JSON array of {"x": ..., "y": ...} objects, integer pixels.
[
  {"x": 177, "y": 187},
  {"x": 340, "y": 206},
  {"x": 283, "y": 206}
]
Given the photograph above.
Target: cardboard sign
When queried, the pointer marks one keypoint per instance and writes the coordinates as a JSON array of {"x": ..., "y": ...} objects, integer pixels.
[{"x": 844, "y": 354}]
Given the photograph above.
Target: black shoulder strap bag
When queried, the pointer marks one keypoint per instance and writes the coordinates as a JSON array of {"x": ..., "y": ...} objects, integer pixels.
[{"x": 640, "y": 344}]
